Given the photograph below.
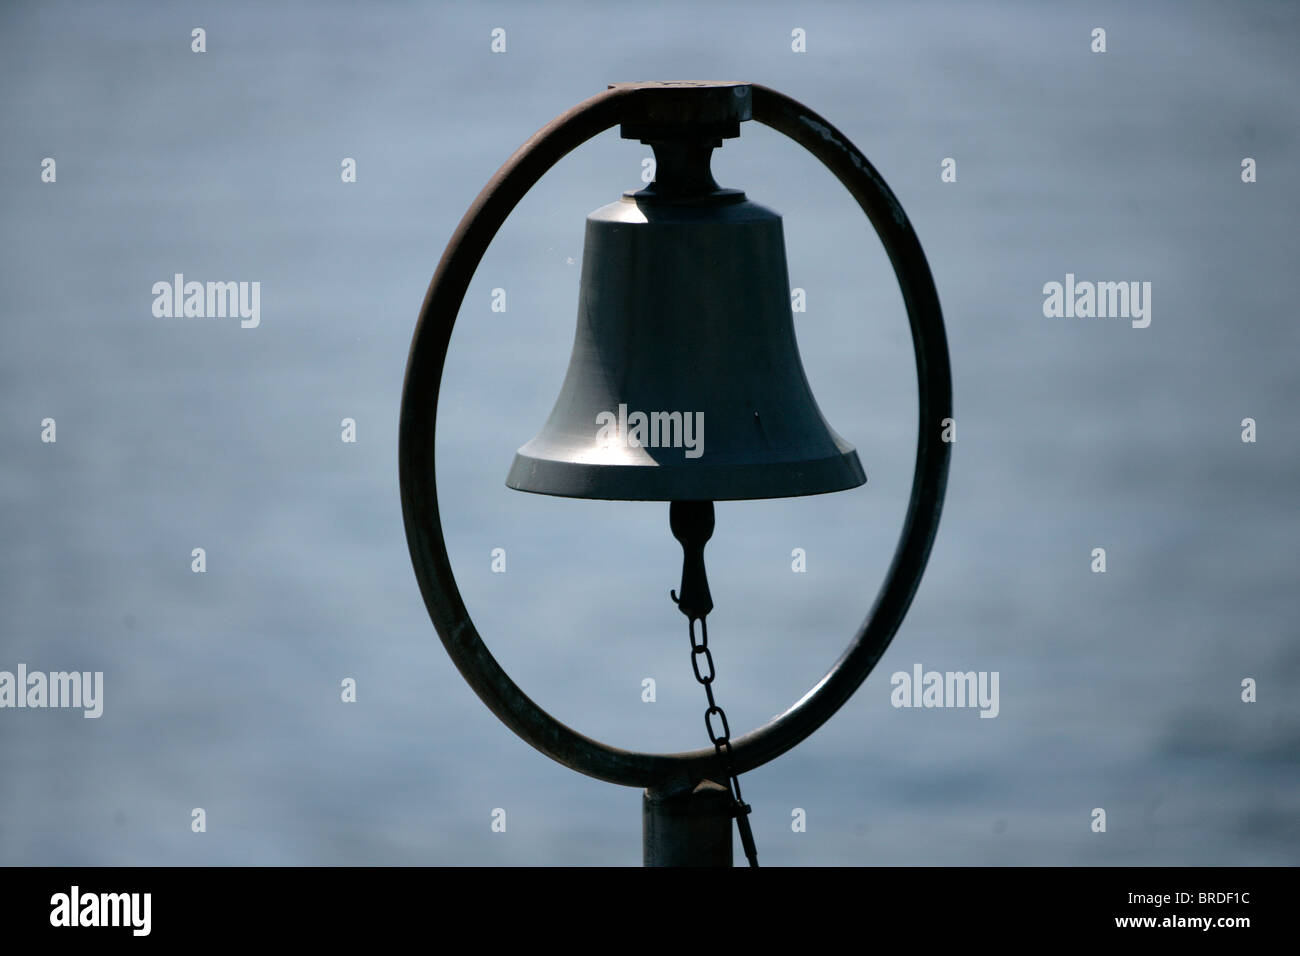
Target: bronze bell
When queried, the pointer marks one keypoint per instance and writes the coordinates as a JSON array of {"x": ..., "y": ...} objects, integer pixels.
[{"x": 685, "y": 382}]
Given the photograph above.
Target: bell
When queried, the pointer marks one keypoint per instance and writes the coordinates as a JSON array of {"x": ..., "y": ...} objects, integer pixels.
[{"x": 685, "y": 382}]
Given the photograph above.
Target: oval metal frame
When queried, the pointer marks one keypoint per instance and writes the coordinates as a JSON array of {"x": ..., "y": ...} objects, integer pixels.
[{"x": 416, "y": 453}]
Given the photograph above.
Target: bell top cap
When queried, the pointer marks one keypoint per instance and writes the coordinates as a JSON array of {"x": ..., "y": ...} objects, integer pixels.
[{"x": 686, "y": 109}]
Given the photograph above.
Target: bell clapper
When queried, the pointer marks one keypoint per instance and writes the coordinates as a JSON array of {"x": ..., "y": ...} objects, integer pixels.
[{"x": 692, "y": 525}]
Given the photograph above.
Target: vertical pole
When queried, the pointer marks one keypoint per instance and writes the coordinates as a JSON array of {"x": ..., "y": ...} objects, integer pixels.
[{"x": 687, "y": 826}]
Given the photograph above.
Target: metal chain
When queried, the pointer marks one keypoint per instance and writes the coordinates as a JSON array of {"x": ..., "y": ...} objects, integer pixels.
[{"x": 721, "y": 741}]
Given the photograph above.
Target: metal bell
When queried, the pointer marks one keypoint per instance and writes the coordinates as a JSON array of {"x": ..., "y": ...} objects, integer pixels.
[{"x": 685, "y": 382}]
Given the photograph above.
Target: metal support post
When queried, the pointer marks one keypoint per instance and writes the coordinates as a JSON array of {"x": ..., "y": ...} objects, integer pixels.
[{"x": 687, "y": 827}]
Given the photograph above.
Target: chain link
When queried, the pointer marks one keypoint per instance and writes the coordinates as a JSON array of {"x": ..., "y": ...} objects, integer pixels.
[{"x": 721, "y": 741}]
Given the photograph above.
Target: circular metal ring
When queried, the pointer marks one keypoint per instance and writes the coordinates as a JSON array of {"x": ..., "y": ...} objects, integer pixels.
[{"x": 424, "y": 369}]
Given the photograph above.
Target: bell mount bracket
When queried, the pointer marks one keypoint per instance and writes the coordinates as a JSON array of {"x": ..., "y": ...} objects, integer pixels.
[{"x": 649, "y": 111}]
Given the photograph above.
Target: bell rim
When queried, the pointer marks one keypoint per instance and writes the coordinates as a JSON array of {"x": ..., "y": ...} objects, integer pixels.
[{"x": 755, "y": 481}]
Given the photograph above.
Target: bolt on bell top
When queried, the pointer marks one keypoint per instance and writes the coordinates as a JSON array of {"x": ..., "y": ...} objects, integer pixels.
[{"x": 685, "y": 381}]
